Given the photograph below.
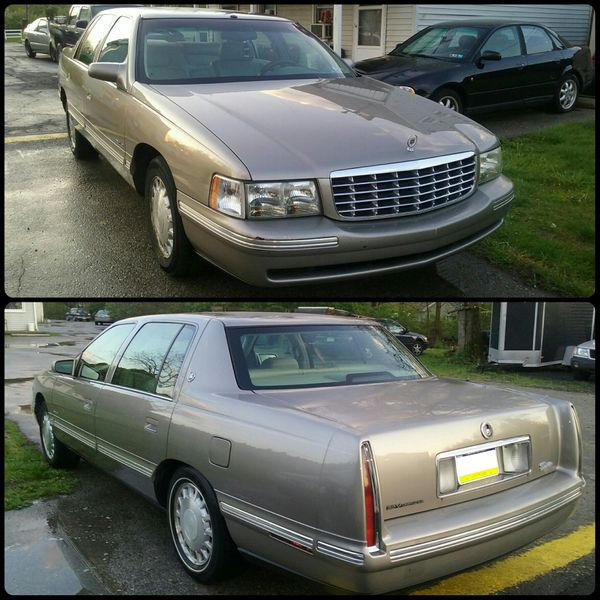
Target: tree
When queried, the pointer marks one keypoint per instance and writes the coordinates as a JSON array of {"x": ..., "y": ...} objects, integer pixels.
[{"x": 469, "y": 329}]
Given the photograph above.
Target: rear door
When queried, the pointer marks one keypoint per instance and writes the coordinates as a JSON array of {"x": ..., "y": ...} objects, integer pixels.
[
  {"x": 544, "y": 63},
  {"x": 502, "y": 81},
  {"x": 134, "y": 411}
]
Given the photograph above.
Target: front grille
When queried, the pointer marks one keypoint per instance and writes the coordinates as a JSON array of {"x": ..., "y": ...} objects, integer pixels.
[
  {"x": 403, "y": 188},
  {"x": 592, "y": 354}
]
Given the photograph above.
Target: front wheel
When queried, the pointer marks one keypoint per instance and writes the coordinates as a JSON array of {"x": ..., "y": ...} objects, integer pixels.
[
  {"x": 566, "y": 94},
  {"x": 448, "y": 98},
  {"x": 197, "y": 527},
  {"x": 54, "y": 451},
  {"x": 29, "y": 50},
  {"x": 417, "y": 348},
  {"x": 80, "y": 147},
  {"x": 171, "y": 245}
]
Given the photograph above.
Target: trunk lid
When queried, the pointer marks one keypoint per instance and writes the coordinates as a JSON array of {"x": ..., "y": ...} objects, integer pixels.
[{"x": 408, "y": 424}]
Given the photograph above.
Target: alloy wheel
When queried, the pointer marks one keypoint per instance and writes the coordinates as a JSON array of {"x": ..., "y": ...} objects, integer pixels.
[
  {"x": 162, "y": 217},
  {"x": 48, "y": 436},
  {"x": 567, "y": 94}
]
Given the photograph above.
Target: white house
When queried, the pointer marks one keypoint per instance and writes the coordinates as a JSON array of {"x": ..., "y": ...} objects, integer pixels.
[
  {"x": 23, "y": 316},
  {"x": 367, "y": 30}
]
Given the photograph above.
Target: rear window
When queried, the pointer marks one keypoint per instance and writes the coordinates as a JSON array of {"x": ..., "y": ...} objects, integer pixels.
[{"x": 318, "y": 355}]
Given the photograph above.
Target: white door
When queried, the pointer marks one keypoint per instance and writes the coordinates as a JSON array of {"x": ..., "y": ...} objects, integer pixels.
[{"x": 369, "y": 31}]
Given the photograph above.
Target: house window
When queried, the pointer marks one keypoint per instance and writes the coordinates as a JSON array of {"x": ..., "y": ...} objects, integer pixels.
[
  {"x": 15, "y": 306},
  {"x": 230, "y": 6},
  {"x": 270, "y": 9},
  {"x": 324, "y": 13}
]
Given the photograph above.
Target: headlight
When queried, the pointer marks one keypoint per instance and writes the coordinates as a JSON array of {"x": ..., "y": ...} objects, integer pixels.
[
  {"x": 585, "y": 352},
  {"x": 227, "y": 196},
  {"x": 490, "y": 164},
  {"x": 282, "y": 199},
  {"x": 407, "y": 88}
]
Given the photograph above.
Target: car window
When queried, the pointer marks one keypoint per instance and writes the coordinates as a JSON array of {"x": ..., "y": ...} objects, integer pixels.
[
  {"x": 453, "y": 43},
  {"x": 42, "y": 25},
  {"x": 314, "y": 355},
  {"x": 85, "y": 14},
  {"x": 116, "y": 43},
  {"x": 94, "y": 35},
  {"x": 143, "y": 358},
  {"x": 211, "y": 50},
  {"x": 173, "y": 361},
  {"x": 505, "y": 41},
  {"x": 536, "y": 39},
  {"x": 98, "y": 356},
  {"x": 74, "y": 15}
]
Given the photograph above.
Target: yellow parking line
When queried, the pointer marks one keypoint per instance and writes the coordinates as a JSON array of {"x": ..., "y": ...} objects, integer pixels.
[
  {"x": 34, "y": 138},
  {"x": 511, "y": 571}
]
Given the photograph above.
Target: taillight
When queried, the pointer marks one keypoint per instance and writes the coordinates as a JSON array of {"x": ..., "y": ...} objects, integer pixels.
[{"x": 370, "y": 495}]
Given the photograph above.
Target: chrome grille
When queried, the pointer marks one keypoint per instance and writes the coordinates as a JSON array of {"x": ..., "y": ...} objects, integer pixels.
[{"x": 403, "y": 188}]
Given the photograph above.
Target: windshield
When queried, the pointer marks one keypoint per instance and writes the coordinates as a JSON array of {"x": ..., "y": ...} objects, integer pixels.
[
  {"x": 197, "y": 50},
  {"x": 318, "y": 355},
  {"x": 447, "y": 43}
]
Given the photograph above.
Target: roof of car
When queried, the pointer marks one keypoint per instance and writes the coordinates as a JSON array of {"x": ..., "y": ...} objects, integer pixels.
[
  {"x": 247, "y": 319},
  {"x": 488, "y": 23},
  {"x": 147, "y": 12}
]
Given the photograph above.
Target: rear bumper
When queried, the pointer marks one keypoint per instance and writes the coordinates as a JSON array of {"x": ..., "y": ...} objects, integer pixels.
[
  {"x": 423, "y": 546},
  {"x": 317, "y": 249}
]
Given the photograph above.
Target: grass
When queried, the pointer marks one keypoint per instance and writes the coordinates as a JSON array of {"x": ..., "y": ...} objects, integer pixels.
[
  {"x": 445, "y": 364},
  {"x": 27, "y": 476},
  {"x": 549, "y": 234}
]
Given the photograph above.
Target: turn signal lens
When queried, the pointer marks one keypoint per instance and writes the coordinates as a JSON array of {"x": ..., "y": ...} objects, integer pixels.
[
  {"x": 369, "y": 493},
  {"x": 227, "y": 196}
]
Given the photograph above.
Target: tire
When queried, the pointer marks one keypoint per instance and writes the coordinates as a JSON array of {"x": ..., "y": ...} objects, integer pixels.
[
  {"x": 567, "y": 92},
  {"x": 580, "y": 375},
  {"x": 30, "y": 52},
  {"x": 417, "y": 348},
  {"x": 448, "y": 98},
  {"x": 80, "y": 147},
  {"x": 55, "y": 452},
  {"x": 198, "y": 530},
  {"x": 172, "y": 248}
]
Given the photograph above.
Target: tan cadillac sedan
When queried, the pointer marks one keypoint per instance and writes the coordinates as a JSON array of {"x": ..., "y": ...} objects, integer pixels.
[
  {"x": 263, "y": 152},
  {"x": 317, "y": 443}
]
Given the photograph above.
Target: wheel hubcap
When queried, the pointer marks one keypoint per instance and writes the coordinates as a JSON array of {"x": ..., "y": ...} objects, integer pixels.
[
  {"x": 448, "y": 102},
  {"x": 417, "y": 349},
  {"x": 193, "y": 526},
  {"x": 48, "y": 436},
  {"x": 162, "y": 217},
  {"x": 567, "y": 94}
]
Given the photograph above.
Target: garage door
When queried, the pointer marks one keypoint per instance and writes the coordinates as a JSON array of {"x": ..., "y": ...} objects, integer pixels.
[{"x": 572, "y": 21}]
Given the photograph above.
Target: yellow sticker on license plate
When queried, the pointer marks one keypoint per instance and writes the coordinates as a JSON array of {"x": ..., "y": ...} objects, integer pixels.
[{"x": 472, "y": 467}]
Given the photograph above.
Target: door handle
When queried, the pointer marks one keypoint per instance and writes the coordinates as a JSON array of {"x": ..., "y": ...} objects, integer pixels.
[
  {"x": 88, "y": 405},
  {"x": 88, "y": 96},
  {"x": 150, "y": 427}
]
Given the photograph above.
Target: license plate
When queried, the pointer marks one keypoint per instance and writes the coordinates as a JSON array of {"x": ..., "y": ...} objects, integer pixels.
[{"x": 472, "y": 467}]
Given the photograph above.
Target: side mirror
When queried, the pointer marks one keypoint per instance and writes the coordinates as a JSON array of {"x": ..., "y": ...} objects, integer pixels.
[
  {"x": 63, "y": 366},
  {"x": 490, "y": 55},
  {"x": 113, "y": 72},
  {"x": 81, "y": 24}
]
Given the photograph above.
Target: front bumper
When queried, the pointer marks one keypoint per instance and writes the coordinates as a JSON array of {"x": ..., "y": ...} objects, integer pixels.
[
  {"x": 583, "y": 364},
  {"x": 316, "y": 249}
]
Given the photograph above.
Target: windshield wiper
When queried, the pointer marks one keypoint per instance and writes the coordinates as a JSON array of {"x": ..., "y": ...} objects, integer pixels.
[{"x": 369, "y": 376}]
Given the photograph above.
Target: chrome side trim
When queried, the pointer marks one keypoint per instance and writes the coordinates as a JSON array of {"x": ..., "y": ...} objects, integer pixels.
[
  {"x": 266, "y": 526},
  {"x": 480, "y": 534},
  {"x": 349, "y": 556},
  {"x": 408, "y": 165},
  {"x": 75, "y": 432},
  {"x": 256, "y": 243},
  {"x": 125, "y": 458}
]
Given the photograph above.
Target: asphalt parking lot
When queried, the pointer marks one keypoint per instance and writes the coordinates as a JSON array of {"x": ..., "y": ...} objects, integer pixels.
[
  {"x": 76, "y": 229},
  {"x": 104, "y": 538}
]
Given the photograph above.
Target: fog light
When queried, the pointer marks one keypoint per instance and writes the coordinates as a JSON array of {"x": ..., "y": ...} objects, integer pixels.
[
  {"x": 447, "y": 476},
  {"x": 515, "y": 457}
]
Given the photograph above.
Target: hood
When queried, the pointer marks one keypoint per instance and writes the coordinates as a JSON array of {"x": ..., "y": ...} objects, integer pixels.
[
  {"x": 306, "y": 129},
  {"x": 591, "y": 344},
  {"x": 403, "y": 69}
]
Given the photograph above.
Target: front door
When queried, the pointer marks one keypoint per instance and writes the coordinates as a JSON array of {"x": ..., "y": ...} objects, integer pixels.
[{"x": 369, "y": 31}]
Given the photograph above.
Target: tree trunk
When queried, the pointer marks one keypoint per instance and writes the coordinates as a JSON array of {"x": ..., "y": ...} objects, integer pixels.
[
  {"x": 469, "y": 330},
  {"x": 437, "y": 324}
]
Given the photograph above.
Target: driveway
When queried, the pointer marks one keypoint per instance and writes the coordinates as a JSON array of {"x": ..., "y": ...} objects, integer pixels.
[
  {"x": 75, "y": 228},
  {"x": 104, "y": 538}
]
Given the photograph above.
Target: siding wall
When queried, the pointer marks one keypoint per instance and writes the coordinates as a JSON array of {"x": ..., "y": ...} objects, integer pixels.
[
  {"x": 18, "y": 320},
  {"x": 347, "y": 28},
  {"x": 303, "y": 13},
  {"x": 572, "y": 21},
  {"x": 400, "y": 24}
]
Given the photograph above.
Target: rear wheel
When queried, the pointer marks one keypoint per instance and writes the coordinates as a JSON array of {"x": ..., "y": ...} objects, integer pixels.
[
  {"x": 54, "y": 451},
  {"x": 197, "y": 527},
  {"x": 448, "y": 98},
  {"x": 173, "y": 250},
  {"x": 29, "y": 50},
  {"x": 566, "y": 94},
  {"x": 80, "y": 147}
]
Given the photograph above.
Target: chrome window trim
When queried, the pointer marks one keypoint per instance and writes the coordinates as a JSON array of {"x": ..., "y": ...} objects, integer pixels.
[{"x": 452, "y": 542}]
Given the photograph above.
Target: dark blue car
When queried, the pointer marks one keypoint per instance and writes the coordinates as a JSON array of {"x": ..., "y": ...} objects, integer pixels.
[{"x": 475, "y": 65}]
